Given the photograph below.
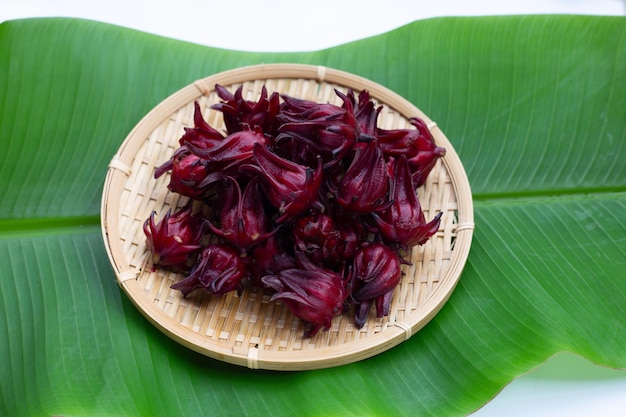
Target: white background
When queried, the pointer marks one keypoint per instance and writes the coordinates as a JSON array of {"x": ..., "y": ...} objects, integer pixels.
[{"x": 283, "y": 25}]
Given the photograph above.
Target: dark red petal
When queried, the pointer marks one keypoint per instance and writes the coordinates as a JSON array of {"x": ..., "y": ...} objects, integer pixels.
[{"x": 365, "y": 185}]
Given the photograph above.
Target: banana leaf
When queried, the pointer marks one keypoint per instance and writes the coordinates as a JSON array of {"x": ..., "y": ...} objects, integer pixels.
[{"x": 535, "y": 106}]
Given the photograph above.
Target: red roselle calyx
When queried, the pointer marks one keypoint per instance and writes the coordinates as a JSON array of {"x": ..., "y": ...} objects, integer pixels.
[
  {"x": 317, "y": 236},
  {"x": 191, "y": 174},
  {"x": 238, "y": 111},
  {"x": 290, "y": 187},
  {"x": 417, "y": 144},
  {"x": 202, "y": 135},
  {"x": 403, "y": 222},
  {"x": 175, "y": 239},
  {"x": 231, "y": 152},
  {"x": 365, "y": 184},
  {"x": 366, "y": 114},
  {"x": 270, "y": 257},
  {"x": 327, "y": 130},
  {"x": 425, "y": 153},
  {"x": 218, "y": 270},
  {"x": 376, "y": 273},
  {"x": 313, "y": 294},
  {"x": 313, "y": 201},
  {"x": 188, "y": 174},
  {"x": 242, "y": 218}
]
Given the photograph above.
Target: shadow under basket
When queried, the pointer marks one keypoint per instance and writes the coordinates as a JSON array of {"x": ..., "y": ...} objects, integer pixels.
[{"x": 247, "y": 329}]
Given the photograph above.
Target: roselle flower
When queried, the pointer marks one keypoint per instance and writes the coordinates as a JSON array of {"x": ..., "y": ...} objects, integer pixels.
[
  {"x": 174, "y": 240},
  {"x": 376, "y": 272},
  {"x": 328, "y": 130},
  {"x": 329, "y": 139},
  {"x": 313, "y": 294},
  {"x": 269, "y": 258},
  {"x": 308, "y": 109},
  {"x": 237, "y": 111},
  {"x": 294, "y": 151},
  {"x": 417, "y": 144},
  {"x": 365, "y": 113},
  {"x": 202, "y": 135},
  {"x": 364, "y": 186},
  {"x": 352, "y": 234},
  {"x": 317, "y": 236},
  {"x": 242, "y": 217},
  {"x": 290, "y": 187},
  {"x": 232, "y": 151},
  {"x": 189, "y": 174},
  {"x": 424, "y": 160},
  {"x": 403, "y": 222},
  {"x": 218, "y": 270}
]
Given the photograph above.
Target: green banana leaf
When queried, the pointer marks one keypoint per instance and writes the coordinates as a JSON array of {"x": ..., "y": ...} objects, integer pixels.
[{"x": 535, "y": 107}]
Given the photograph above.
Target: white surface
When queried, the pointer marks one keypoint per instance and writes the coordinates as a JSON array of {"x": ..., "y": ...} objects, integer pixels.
[
  {"x": 527, "y": 397},
  {"x": 270, "y": 25}
]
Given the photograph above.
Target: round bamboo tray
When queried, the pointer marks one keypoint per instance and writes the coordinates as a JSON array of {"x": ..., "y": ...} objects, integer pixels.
[{"x": 248, "y": 330}]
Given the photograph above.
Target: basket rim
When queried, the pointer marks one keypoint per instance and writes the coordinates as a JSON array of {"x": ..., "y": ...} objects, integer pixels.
[{"x": 393, "y": 334}]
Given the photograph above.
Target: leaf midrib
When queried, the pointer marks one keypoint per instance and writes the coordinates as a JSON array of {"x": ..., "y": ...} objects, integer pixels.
[
  {"x": 43, "y": 226},
  {"x": 537, "y": 196}
]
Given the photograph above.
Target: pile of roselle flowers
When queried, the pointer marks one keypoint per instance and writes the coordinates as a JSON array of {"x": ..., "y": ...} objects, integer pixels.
[{"x": 312, "y": 201}]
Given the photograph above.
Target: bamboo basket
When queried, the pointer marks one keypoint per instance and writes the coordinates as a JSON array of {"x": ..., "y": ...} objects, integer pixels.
[{"x": 248, "y": 330}]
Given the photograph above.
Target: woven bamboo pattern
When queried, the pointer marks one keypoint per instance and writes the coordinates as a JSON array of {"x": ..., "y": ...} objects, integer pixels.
[{"x": 248, "y": 330}]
